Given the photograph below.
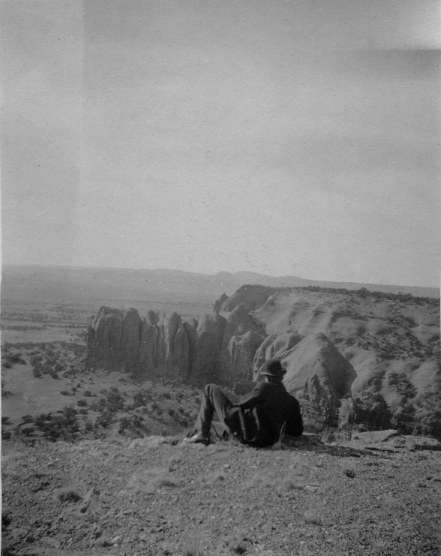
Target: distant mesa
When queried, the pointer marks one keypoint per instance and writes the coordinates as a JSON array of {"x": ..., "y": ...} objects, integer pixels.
[{"x": 351, "y": 356}]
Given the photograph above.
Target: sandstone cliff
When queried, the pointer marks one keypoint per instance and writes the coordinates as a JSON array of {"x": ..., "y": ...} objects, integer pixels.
[{"x": 213, "y": 348}]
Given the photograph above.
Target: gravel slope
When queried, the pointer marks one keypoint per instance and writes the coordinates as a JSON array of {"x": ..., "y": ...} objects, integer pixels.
[{"x": 152, "y": 496}]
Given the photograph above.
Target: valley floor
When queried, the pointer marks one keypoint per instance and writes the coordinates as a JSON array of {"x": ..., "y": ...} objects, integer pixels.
[{"x": 155, "y": 496}]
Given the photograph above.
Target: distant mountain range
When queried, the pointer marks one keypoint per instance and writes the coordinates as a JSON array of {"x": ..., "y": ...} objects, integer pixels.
[{"x": 71, "y": 284}]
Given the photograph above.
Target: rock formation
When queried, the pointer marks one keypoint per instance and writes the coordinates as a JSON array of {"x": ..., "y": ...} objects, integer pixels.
[
  {"x": 212, "y": 349},
  {"x": 378, "y": 352},
  {"x": 104, "y": 340}
]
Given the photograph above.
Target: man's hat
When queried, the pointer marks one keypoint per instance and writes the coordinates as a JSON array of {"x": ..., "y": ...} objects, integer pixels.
[{"x": 273, "y": 367}]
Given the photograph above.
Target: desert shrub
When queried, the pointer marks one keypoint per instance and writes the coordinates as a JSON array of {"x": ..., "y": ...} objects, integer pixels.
[
  {"x": 371, "y": 410},
  {"x": 27, "y": 419},
  {"x": 68, "y": 495},
  {"x": 87, "y": 394},
  {"x": 54, "y": 374},
  {"x": 403, "y": 409},
  {"x": 115, "y": 400},
  {"x": 69, "y": 413},
  {"x": 6, "y": 420},
  {"x": 346, "y": 415},
  {"x": 88, "y": 426},
  {"x": 65, "y": 392},
  {"x": 124, "y": 424},
  {"x": 104, "y": 420},
  {"x": 6, "y": 435},
  {"x": 16, "y": 358},
  {"x": 7, "y": 365},
  {"x": 36, "y": 372},
  {"x": 43, "y": 420},
  {"x": 141, "y": 397},
  {"x": 403, "y": 416},
  {"x": 82, "y": 403},
  {"x": 63, "y": 425},
  {"x": 428, "y": 414}
]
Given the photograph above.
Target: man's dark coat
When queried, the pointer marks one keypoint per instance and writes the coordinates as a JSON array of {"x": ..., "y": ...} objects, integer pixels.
[{"x": 258, "y": 417}]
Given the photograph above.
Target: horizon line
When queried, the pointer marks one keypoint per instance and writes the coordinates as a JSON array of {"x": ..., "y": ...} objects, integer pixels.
[{"x": 143, "y": 269}]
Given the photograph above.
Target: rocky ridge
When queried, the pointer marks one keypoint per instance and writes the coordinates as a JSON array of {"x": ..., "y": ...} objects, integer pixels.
[{"x": 350, "y": 355}]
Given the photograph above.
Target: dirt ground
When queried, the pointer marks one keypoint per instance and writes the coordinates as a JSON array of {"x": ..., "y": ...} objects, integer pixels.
[{"x": 156, "y": 496}]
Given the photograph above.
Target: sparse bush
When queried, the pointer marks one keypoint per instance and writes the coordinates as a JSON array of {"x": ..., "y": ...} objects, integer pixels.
[
  {"x": 43, "y": 420},
  {"x": 124, "y": 424},
  {"x": 65, "y": 392},
  {"x": 371, "y": 410},
  {"x": 87, "y": 394},
  {"x": 68, "y": 495},
  {"x": 27, "y": 419},
  {"x": 88, "y": 426},
  {"x": 82, "y": 403},
  {"x": 104, "y": 420},
  {"x": 27, "y": 430},
  {"x": 6, "y": 435},
  {"x": 115, "y": 400},
  {"x": 17, "y": 358},
  {"x": 6, "y": 420},
  {"x": 141, "y": 397}
]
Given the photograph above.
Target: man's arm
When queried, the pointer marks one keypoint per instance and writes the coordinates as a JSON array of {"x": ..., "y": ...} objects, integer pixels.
[{"x": 253, "y": 398}]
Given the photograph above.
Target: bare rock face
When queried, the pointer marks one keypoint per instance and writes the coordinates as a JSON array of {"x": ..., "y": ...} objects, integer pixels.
[
  {"x": 319, "y": 376},
  {"x": 177, "y": 356},
  {"x": 207, "y": 365},
  {"x": 275, "y": 345},
  {"x": 104, "y": 340},
  {"x": 251, "y": 297},
  {"x": 148, "y": 358},
  {"x": 242, "y": 349},
  {"x": 130, "y": 341},
  {"x": 218, "y": 304},
  {"x": 170, "y": 349}
]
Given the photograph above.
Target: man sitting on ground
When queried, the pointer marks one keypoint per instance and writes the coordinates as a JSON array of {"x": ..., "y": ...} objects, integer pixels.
[{"x": 257, "y": 419}]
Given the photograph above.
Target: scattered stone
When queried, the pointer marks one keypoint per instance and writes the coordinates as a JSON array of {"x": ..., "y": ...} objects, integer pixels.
[
  {"x": 371, "y": 437},
  {"x": 68, "y": 495}
]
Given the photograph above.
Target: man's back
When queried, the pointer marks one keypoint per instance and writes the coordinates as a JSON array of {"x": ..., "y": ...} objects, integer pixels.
[{"x": 274, "y": 407}]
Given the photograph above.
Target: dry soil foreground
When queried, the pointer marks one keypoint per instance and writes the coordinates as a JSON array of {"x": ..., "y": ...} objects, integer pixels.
[{"x": 153, "y": 497}]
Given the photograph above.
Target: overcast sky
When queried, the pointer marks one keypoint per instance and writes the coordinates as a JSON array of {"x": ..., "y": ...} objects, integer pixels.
[{"x": 282, "y": 137}]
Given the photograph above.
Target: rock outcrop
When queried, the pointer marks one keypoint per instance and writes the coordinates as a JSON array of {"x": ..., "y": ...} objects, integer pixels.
[
  {"x": 211, "y": 349},
  {"x": 363, "y": 357},
  {"x": 104, "y": 340}
]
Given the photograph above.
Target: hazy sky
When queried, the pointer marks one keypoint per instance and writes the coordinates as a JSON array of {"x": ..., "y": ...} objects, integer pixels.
[{"x": 282, "y": 137}]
